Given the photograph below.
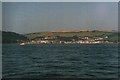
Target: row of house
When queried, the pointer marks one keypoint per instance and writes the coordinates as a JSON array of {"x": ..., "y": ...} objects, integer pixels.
[
  {"x": 66, "y": 42},
  {"x": 82, "y": 40}
]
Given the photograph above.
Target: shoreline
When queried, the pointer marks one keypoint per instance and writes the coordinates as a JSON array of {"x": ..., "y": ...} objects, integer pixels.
[{"x": 61, "y": 43}]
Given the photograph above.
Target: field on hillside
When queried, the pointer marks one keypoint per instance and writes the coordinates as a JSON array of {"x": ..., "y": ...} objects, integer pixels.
[
  {"x": 113, "y": 36},
  {"x": 66, "y": 34}
]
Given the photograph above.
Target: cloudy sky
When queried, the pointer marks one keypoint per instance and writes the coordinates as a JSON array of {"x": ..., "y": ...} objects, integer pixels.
[
  {"x": 60, "y": 0},
  {"x": 0, "y": 16},
  {"x": 26, "y": 17}
]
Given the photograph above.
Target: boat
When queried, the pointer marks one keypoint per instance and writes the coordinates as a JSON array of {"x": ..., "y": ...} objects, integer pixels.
[{"x": 22, "y": 44}]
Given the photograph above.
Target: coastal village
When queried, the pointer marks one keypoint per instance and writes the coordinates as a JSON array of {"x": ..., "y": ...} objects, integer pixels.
[
  {"x": 69, "y": 40},
  {"x": 83, "y": 37}
]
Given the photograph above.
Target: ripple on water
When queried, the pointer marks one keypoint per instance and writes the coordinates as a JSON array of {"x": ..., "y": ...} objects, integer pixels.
[{"x": 37, "y": 61}]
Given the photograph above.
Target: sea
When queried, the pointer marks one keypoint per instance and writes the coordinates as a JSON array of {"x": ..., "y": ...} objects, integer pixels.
[{"x": 60, "y": 61}]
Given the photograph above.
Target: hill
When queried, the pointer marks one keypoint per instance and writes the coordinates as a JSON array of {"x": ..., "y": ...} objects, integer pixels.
[
  {"x": 12, "y": 37},
  {"x": 113, "y": 36}
]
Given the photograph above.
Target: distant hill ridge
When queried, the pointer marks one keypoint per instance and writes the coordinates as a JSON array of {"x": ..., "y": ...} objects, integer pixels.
[
  {"x": 12, "y": 37},
  {"x": 82, "y": 30}
]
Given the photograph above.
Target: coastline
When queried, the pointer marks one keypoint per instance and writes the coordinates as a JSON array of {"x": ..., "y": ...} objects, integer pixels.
[{"x": 66, "y": 43}]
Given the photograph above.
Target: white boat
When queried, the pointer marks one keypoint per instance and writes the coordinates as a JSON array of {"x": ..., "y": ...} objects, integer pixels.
[{"x": 22, "y": 44}]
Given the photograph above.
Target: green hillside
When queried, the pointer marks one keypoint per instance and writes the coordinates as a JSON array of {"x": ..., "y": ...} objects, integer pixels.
[
  {"x": 65, "y": 34},
  {"x": 112, "y": 36},
  {"x": 11, "y": 37}
]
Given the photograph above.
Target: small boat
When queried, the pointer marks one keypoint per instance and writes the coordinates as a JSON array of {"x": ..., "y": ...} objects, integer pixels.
[{"x": 22, "y": 44}]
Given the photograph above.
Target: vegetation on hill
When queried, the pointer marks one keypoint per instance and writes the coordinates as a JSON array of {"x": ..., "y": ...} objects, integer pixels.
[
  {"x": 112, "y": 36},
  {"x": 11, "y": 37}
]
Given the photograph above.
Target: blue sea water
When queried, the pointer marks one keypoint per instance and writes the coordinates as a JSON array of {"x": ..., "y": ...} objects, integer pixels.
[{"x": 60, "y": 61}]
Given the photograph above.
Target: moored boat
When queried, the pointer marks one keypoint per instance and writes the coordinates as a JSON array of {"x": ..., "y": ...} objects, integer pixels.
[{"x": 22, "y": 44}]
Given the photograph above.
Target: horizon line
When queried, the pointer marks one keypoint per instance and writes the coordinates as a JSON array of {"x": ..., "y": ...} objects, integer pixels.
[{"x": 64, "y": 31}]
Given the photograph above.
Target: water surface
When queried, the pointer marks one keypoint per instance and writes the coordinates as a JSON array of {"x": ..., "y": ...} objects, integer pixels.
[{"x": 60, "y": 60}]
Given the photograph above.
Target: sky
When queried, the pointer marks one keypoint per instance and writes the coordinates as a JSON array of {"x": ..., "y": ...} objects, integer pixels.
[
  {"x": 0, "y": 16},
  {"x": 60, "y": 0},
  {"x": 27, "y": 17}
]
